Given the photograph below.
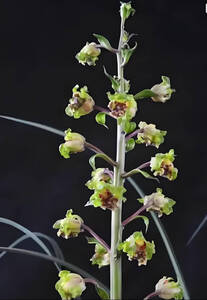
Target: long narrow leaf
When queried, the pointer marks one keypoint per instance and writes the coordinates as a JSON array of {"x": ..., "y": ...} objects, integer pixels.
[
  {"x": 34, "y": 124},
  {"x": 55, "y": 260},
  {"x": 57, "y": 251},
  {"x": 29, "y": 234},
  {"x": 166, "y": 242}
]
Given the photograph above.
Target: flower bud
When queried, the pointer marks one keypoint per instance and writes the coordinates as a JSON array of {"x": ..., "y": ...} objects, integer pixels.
[
  {"x": 150, "y": 135},
  {"x": 107, "y": 196},
  {"x": 101, "y": 256},
  {"x": 69, "y": 226},
  {"x": 163, "y": 90},
  {"x": 126, "y": 10},
  {"x": 99, "y": 176},
  {"x": 138, "y": 248},
  {"x": 122, "y": 105},
  {"x": 74, "y": 142},
  {"x": 167, "y": 288},
  {"x": 88, "y": 54},
  {"x": 80, "y": 104},
  {"x": 158, "y": 203},
  {"x": 162, "y": 165},
  {"x": 70, "y": 285}
]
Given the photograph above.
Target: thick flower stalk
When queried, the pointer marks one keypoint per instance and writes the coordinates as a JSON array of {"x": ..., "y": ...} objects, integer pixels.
[{"x": 107, "y": 185}]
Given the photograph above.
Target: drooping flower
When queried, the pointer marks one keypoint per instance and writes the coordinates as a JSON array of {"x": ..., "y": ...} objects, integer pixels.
[
  {"x": 162, "y": 165},
  {"x": 158, "y": 203},
  {"x": 80, "y": 104},
  {"x": 74, "y": 142},
  {"x": 122, "y": 105},
  {"x": 70, "y": 285},
  {"x": 101, "y": 256},
  {"x": 138, "y": 248},
  {"x": 167, "y": 288},
  {"x": 150, "y": 135},
  {"x": 107, "y": 196},
  {"x": 88, "y": 54},
  {"x": 163, "y": 90},
  {"x": 70, "y": 226},
  {"x": 99, "y": 176}
]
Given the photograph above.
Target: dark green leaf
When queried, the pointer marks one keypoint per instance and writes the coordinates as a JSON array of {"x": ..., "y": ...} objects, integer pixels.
[
  {"x": 129, "y": 126},
  {"x": 144, "y": 94},
  {"x": 102, "y": 293},
  {"x": 103, "y": 41}
]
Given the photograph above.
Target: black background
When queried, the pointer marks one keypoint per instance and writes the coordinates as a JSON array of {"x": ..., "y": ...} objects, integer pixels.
[{"x": 39, "y": 40}]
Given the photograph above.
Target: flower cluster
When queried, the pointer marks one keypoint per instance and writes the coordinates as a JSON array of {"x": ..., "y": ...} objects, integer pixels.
[
  {"x": 80, "y": 104},
  {"x": 158, "y": 202},
  {"x": 167, "y": 288},
  {"x": 105, "y": 195},
  {"x": 163, "y": 90},
  {"x": 70, "y": 226},
  {"x": 74, "y": 142},
  {"x": 88, "y": 54},
  {"x": 162, "y": 165},
  {"x": 150, "y": 135},
  {"x": 70, "y": 285},
  {"x": 138, "y": 248}
]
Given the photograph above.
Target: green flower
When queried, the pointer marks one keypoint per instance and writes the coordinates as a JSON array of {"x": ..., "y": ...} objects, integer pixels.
[
  {"x": 167, "y": 288},
  {"x": 74, "y": 142},
  {"x": 69, "y": 226},
  {"x": 163, "y": 90},
  {"x": 122, "y": 106},
  {"x": 150, "y": 135},
  {"x": 88, "y": 54},
  {"x": 107, "y": 196},
  {"x": 80, "y": 104},
  {"x": 99, "y": 176},
  {"x": 126, "y": 10},
  {"x": 158, "y": 203},
  {"x": 101, "y": 256},
  {"x": 162, "y": 165},
  {"x": 138, "y": 248},
  {"x": 70, "y": 285}
]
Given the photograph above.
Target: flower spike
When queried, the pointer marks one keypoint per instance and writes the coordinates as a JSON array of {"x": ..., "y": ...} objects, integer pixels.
[
  {"x": 80, "y": 104},
  {"x": 70, "y": 285}
]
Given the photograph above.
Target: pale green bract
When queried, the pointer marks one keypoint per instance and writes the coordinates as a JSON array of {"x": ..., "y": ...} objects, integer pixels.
[
  {"x": 162, "y": 165},
  {"x": 159, "y": 203},
  {"x": 70, "y": 226},
  {"x": 80, "y": 104},
  {"x": 150, "y": 135},
  {"x": 88, "y": 54},
  {"x": 70, "y": 285},
  {"x": 137, "y": 248},
  {"x": 126, "y": 10}
]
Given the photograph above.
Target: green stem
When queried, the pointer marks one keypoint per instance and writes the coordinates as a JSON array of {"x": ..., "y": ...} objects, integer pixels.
[{"x": 116, "y": 216}]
